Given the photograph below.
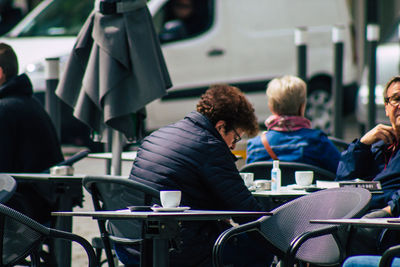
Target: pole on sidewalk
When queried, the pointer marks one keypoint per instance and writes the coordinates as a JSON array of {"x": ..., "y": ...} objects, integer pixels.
[
  {"x": 372, "y": 38},
  {"x": 117, "y": 145},
  {"x": 300, "y": 40},
  {"x": 398, "y": 38},
  {"x": 337, "y": 38},
  {"x": 52, "y": 103}
]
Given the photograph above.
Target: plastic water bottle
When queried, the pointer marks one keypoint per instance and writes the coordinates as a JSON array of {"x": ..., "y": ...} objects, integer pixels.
[{"x": 275, "y": 176}]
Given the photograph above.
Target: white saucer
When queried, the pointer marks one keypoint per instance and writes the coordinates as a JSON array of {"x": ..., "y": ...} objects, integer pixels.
[
  {"x": 170, "y": 209},
  {"x": 300, "y": 187}
]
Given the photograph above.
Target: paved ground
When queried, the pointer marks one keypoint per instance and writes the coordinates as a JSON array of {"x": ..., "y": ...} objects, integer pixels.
[{"x": 87, "y": 227}]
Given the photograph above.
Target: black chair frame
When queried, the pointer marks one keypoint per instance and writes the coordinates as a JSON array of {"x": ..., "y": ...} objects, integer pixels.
[
  {"x": 389, "y": 255},
  {"x": 340, "y": 144},
  {"x": 100, "y": 203},
  {"x": 43, "y": 233}
]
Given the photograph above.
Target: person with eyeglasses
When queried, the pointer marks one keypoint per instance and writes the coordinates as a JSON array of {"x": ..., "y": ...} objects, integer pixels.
[
  {"x": 194, "y": 156},
  {"x": 375, "y": 156},
  {"x": 289, "y": 136}
]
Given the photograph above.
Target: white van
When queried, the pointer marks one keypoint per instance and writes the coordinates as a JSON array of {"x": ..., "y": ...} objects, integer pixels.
[
  {"x": 247, "y": 43},
  {"x": 244, "y": 43}
]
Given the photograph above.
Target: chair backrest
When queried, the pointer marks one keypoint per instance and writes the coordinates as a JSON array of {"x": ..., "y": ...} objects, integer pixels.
[
  {"x": 340, "y": 144},
  {"x": 75, "y": 158},
  {"x": 7, "y": 187},
  {"x": 20, "y": 236},
  {"x": 262, "y": 170},
  {"x": 293, "y": 218},
  {"x": 116, "y": 192}
]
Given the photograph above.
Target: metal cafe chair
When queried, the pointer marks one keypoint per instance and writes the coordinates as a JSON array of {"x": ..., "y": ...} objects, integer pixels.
[
  {"x": 262, "y": 169},
  {"x": 72, "y": 159},
  {"x": 293, "y": 238},
  {"x": 340, "y": 144},
  {"x": 20, "y": 237},
  {"x": 113, "y": 193},
  {"x": 389, "y": 255}
]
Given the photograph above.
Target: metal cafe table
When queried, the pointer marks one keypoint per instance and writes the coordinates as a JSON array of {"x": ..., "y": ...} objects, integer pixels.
[
  {"x": 272, "y": 199},
  {"x": 69, "y": 194},
  {"x": 161, "y": 226},
  {"x": 392, "y": 223}
]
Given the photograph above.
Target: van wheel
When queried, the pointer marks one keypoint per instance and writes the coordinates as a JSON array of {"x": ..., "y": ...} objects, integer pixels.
[{"x": 320, "y": 105}]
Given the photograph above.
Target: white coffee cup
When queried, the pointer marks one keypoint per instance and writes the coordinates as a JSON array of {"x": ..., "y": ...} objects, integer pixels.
[
  {"x": 262, "y": 184},
  {"x": 170, "y": 198},
  {"x": 304, "y": 178},
  {"x": 248, "y": 178}
]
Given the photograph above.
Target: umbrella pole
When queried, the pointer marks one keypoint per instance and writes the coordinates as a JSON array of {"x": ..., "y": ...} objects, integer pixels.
[
  {"x": 108, "y": 148},
  {"x": 117, "y": 143}
]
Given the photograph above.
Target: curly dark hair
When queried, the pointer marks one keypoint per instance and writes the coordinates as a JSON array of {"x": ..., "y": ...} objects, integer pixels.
[{"x": 228, "y": 103}]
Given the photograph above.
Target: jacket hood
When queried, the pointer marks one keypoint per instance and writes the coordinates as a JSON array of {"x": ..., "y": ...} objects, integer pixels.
[{"x": 19, "y": 85}]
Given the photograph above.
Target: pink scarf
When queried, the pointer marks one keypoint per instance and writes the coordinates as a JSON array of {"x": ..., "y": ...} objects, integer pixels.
[{"x": 287, "y": 123}]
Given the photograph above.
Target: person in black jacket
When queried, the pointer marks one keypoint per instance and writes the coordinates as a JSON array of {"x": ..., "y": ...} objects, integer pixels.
[
  {"x": 194, "y": 156},
  {"x": 28, "y": 140}
]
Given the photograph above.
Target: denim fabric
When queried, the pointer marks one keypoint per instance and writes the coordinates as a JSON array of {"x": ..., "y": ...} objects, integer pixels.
[
  {"x": 308, "y": 146},
  {"x": 367, "y": 261}
]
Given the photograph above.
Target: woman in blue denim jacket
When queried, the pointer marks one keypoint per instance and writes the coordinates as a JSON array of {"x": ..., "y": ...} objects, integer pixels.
[{"x": 289, "y": 133}]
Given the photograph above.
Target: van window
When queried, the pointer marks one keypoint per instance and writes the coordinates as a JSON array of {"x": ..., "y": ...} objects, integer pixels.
[
  {"x": 61, "y": 18},
  {"x": 181, "y": 19}
]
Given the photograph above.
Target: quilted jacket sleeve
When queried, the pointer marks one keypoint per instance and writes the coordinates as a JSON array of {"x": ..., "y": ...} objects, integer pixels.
[{"x": 223, "y": 178}]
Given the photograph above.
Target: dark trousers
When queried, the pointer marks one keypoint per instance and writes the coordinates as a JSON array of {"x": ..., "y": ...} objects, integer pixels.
[
  {"x": 242, "y": 251},
  {"x": 372, "y": 241}
]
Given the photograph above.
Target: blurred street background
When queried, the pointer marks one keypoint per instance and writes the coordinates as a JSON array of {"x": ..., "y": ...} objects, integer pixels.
[{"x": 41, "y": 27}]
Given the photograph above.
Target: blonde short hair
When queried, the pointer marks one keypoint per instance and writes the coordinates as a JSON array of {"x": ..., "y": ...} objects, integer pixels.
[{"x": 286, "y": 95}]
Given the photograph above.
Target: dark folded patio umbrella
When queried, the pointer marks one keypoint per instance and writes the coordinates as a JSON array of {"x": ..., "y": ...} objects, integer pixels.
[{"x": 116, "y": 67}]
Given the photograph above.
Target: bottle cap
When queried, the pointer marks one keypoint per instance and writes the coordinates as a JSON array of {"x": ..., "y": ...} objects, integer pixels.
[{"x": 275, "y": 164}]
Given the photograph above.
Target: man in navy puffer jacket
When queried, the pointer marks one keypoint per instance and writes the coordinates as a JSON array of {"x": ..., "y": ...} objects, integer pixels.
[
  {"x": 194, "y": 156},
  {"x": 375, "y": 156}
]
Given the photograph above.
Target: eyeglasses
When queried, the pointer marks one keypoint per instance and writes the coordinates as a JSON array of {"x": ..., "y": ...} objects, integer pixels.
[
  {"x": 237, "y": 137},
  {"x": 393, "y": 100}
]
